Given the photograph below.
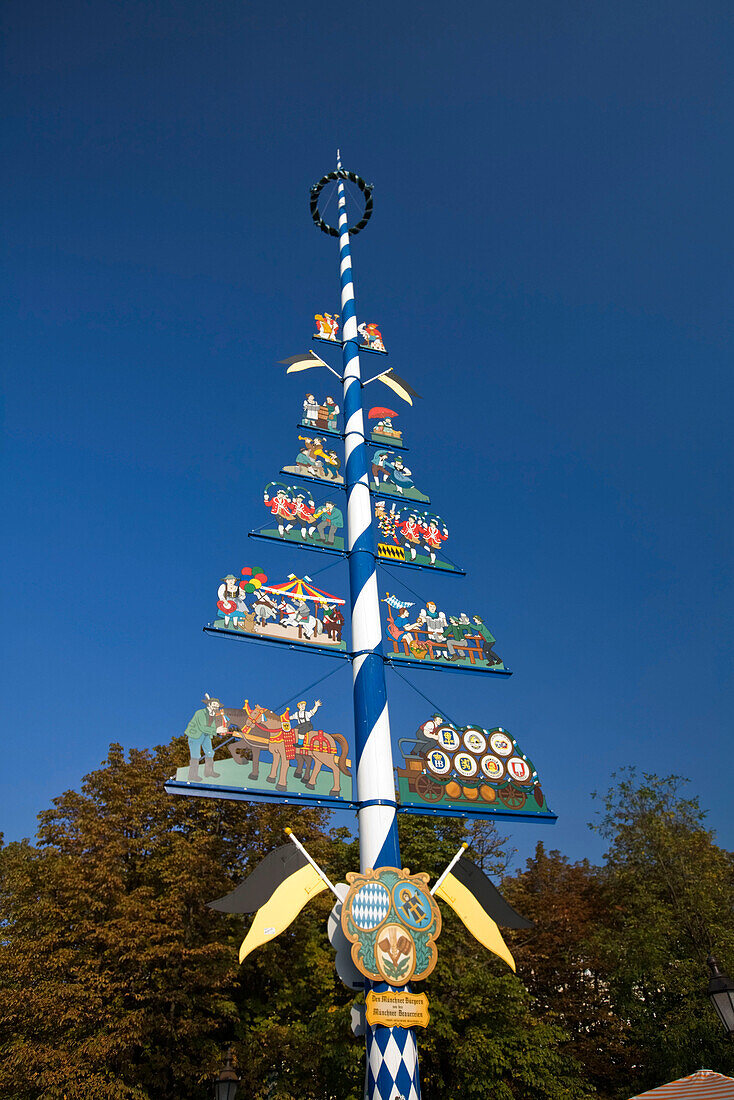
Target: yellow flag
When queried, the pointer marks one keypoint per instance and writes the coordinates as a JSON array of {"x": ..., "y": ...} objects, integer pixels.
[
  {"x": 475, "y": 917},
  {"x": 281, "y": 908}
]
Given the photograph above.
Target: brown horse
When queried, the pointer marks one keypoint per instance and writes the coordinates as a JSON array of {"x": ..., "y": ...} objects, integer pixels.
[
  {"x": 257, "y": 728},
  {"x": 328, "y": 750}
]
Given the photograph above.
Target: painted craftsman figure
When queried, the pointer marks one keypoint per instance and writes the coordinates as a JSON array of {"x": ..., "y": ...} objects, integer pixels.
[{"x": 204, "y": 723}]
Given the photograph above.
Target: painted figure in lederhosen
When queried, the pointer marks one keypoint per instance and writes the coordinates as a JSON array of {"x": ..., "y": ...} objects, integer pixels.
[{"x": 487, "y": 641}]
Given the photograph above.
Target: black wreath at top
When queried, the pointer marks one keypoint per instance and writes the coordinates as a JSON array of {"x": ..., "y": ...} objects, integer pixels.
[{"x": 365, "y": 188}]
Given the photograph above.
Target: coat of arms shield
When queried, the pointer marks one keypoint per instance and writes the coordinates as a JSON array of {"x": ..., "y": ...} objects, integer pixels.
[{"x": 392, "y": 921}]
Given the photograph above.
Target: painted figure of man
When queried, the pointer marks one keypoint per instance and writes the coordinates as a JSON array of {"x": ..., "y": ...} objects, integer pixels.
[
  {"x": 281, "y": 507},
  {"x": 331, "y": 518},
  {"x": 333, "y": 623},
  {"x": 302, "y": 720},
  {"x": 487, "y": 641},
  {"x": 412, "y": 533},
  {"x": 303, "y": 513},
  {"x": 265, "y": 608},
  {"x": 427, "y": 734},
  {"x": 432, "y": 538},
  {"x": 332, "y": 411},
  {"x": 203, "y": 724},
  {"x": 302, "y": 617},
  {"x": 435, "y": 623}
]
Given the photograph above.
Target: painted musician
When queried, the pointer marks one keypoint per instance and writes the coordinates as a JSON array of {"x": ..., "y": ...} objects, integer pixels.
[{"x": 330, "y": 517}]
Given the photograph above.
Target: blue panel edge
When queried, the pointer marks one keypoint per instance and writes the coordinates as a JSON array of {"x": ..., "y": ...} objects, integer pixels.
[
  {"x": 486, "y": 815},
  {"x": 236, "y": 794}
]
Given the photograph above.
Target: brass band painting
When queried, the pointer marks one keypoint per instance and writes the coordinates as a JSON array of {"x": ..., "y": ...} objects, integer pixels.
[
  {"x": 320, "y": 416},
  {"x": 384, "y": 430},
  {"x": 411, "y": 536},
  {"x": 266, "y": 750},
  {"x": 296, "y": 518},
  {"x": 392, "y": 477},
  {"x": 316, "y": 461},
  {"x": 468, "y": 769},
  {"x": 427, "y": 634},
  {"x": 294, "y": 611}
]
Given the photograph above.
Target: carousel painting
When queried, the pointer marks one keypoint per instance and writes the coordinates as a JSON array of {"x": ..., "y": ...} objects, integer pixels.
[
  {"x": 295, "y": 611},
  {"x": 412, "y": 537},
  {"x": 427, "y": 635},
  {"x": 467, "y": 769},
  {"x": 316, "y": 461},
  {"x": 392, "y": 477},
  {"x": 261, "y": 749},
  {"x": 297, "y": 518}
]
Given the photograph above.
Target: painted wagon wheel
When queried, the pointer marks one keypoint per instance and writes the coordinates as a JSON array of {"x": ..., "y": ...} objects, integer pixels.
[
  {"x": 428, "y": 788},
  {"x": 365, "y": 188},
  {"x": 512, "y": 798}
]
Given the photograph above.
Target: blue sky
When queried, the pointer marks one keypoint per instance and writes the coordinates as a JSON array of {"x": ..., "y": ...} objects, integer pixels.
[{"x": 550, "y": 264}]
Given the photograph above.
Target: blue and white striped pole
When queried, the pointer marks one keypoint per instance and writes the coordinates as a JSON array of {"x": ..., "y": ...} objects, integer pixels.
[{"x": 392, "y": 1055}]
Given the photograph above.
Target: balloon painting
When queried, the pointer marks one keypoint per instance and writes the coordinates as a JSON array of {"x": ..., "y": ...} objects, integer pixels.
[{"x": 295, "y": 611}]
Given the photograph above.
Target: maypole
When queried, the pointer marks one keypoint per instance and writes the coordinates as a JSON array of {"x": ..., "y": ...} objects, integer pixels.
[
  {"x": 392, "y": 1054},
  {"x": 385, "y": 921}
]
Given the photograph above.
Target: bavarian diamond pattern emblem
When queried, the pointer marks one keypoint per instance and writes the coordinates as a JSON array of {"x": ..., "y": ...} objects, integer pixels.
[
  {"x": 370, "y": 905},
  {"x": 392, "y": 922}
]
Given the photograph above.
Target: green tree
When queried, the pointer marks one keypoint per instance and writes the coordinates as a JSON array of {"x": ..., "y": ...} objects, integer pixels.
[
  {"x": 116, "y": 980},
  {"x": 669, "y": 892}
]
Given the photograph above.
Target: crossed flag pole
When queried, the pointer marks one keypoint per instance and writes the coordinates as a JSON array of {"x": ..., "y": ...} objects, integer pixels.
[{"x": 289, "y": 877}]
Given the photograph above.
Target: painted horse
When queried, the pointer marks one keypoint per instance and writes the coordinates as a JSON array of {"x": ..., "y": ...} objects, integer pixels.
[{"x": 256, "y": 729}]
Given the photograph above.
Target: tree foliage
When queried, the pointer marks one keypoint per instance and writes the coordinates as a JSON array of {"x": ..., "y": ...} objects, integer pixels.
[{"x": 116, "y": 980}]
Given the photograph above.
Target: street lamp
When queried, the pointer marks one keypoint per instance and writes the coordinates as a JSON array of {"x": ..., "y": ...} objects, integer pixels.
[
  {"x": 721, "y": 991},
  {"x": 225, "y": 1087}
]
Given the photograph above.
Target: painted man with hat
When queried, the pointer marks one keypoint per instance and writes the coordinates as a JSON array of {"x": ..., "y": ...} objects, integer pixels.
[{"x": 203, "y": 724}]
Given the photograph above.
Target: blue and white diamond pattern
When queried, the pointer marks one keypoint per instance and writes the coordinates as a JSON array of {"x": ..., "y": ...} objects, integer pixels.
[
  {"x": 392, "y": 1064},
  {"x": 370, "y": 905}
]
